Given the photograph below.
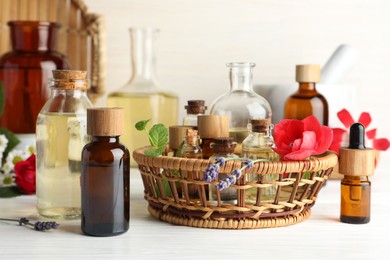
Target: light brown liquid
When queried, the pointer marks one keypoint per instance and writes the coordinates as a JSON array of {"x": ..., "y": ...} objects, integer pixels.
[
  {"x": 159, "y": 107},
  {"x": 306, "y": 102}
]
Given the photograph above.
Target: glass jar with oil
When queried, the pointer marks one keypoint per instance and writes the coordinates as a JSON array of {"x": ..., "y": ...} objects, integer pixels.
[
  {"x": 142, "y": 98},
  {"x": 61, "y": 135}
]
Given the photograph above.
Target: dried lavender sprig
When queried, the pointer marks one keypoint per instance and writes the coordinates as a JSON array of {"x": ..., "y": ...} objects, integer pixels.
[
  {"x": 39, "y": 226},
  {"x": 212, "y": 170}
]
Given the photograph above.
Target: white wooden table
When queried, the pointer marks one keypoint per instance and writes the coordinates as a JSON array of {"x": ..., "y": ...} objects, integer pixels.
[{"x": 322, "y": 236}]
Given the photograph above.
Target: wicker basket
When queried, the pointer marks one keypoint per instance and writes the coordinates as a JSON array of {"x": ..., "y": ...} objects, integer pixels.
[{"x": 167, "y": 179}]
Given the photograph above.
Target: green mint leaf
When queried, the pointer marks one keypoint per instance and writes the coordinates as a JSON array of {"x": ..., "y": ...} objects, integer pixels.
[
  {"x": 1, "y": 99},
  {"x": 13, "y": 141},
  {"x": 9, "y": 192},
  {"x": 141, "y": 125},
  {"x": 178, "y": 153},
  {"x": 155, "y": 152},
  {"x": 158, "y": 135}
]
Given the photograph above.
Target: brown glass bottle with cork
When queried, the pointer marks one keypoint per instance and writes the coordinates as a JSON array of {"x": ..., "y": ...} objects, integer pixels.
[
  {"x": 356, "y": 163},
  {"x": 105, "y": 176},
  {"x": 210, "y": 127},
  {"x": 307, "y": 101}
]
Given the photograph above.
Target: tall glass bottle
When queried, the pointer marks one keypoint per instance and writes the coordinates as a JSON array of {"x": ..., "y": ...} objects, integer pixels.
[
  {"x": 61, "y": 135},
  {"x": 258, "y": 145},
  {"x": 105, "y": 180},
  {"x": 141, "y": 97},
  {"x": 307, "y": 101},
  {"x": 25, "y": 70},
  {"x": 241, "y": 103}
]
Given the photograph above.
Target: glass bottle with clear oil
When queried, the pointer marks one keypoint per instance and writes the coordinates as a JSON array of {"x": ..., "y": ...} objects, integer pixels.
[
  {"x": 61, "y": 135},
  {"x": 105, "y": 179},
  {"x": 307, "y": 101},
  {"x": 194, "y": 109},
  {"x": 356, "y": 163}
]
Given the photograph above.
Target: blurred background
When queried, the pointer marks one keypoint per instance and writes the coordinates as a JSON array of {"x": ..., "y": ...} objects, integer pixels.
[{"x": 198, "y": 37}]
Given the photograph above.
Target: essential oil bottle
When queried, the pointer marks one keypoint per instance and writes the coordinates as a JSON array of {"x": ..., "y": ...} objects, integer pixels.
[
  {"x": 356, "y": 163},
  {"x": 105, "y": 183}
]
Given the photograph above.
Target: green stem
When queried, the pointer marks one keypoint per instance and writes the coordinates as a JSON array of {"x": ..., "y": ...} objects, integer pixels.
[{"x": 16, "y": 220}]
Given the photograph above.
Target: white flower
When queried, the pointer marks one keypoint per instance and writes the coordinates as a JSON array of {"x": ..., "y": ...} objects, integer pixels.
[
  {"x": 3, "y": 143},
  {"x": 29, "y": 150},
  {"x": 8, "y": 167},
  {"x": 16, "y": 156},
  {"x": 6, "y": 180}
]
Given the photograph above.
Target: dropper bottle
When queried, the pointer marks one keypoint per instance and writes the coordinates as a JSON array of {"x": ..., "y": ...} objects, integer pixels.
[{"x": 356, "y": 163}]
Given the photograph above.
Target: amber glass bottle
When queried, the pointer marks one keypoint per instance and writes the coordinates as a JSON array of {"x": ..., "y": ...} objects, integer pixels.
[
  {"x": 25, "y": 70},
  {"x": 105, "y": 191},
  {"x": 307, "y": 101}
]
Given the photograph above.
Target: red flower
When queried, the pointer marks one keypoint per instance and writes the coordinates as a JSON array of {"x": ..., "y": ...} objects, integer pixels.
[
  {"x": 25, "y": 175},
  {"x": 299, "y": 139},
  {"x": 381, "y": 144}
]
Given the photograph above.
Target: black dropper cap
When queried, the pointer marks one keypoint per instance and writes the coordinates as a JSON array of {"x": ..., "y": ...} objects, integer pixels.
[{"x": 356, "y": 136}]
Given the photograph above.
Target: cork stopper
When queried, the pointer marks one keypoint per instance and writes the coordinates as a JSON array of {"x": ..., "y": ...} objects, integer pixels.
[
  {"x": 213, "y": 126},
  {"x": 223, "y": 145},
  {"x": 260, "y": 125},
  {"x": 69, "y": 79},
  {"x": 177, "y": 134},
  {"x": 195, "y": 107},
  {"x": 105, "y": 121},
  {"x": 308, "y": 73}
]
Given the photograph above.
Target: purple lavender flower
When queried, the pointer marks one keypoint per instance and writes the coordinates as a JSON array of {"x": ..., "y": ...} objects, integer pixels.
[
  {"x": 224, "y": 184},
  {"x": 248, "y": 163},
  {"x": 237, "y": 173},
  {"x": 221, "y": 161},
  {"x": 211, "y": 172}
]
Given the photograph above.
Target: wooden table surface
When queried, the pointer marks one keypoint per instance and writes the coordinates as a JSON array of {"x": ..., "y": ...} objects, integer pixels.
[{"x": 322, "y": 236}]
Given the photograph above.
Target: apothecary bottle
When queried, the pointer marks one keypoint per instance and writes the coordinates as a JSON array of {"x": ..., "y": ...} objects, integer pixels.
[
  {"x": 241, "y": 103},
  {"x": 306, "y": 101},
  {"x": 258, "y": 145},
  {"x": 223, "y": 148},
  {"x": 142, "y": 98},
  {"x": 24, "y": 72},
  {"x": 61, "y": 135},
  {"x": 194, "y": 109},
  {"x": 105, "y": 177}
]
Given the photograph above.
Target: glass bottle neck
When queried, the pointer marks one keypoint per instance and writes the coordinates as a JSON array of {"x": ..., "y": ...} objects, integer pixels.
[
  {"x": 143, "y": 58},
  {"x": 75, "y": 93},
  {"x": 33, "y": 36},
  {"x": 307, "y": 86},
  {"x": 241, "y": 76},
  {"x": 105, "y": 139}
]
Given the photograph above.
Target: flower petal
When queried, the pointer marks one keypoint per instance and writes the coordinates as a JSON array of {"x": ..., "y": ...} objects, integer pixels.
[
  {"x": 309, "y": 140},
  {"x": 296, "y": 145},
  {"x": 324, "y": 142},
  {"x": 371, "y": 134},
  {"x": 345, "y": 118},
  {"x": 381, "y": 144},
  {"x": 338, "y": 136},
  {"x": 298, "y": 155},
  {"x": 311, "y": 123},
  {"x": 365, "y": 119}
]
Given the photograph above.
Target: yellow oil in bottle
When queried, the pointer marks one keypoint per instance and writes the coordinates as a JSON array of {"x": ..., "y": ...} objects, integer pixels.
[
  {"x": 238, "y": 136},
  {"x": 60, "y": 139},
  {"x": 159, "y": 107}
]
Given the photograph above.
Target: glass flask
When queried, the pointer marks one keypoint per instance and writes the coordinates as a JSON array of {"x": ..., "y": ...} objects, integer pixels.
[
  {"x": 241, "y": 103},
  {"x": 307, "y": 101},
  {"x": 142, "y": 98},
  {"x": 61, "y": 136},
  {"x": 24, "y": 72}
]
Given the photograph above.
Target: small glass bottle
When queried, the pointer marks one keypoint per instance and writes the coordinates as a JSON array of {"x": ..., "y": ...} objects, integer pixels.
[
  {"x": 211, "y": 127},
  {"x": 241, "y": 103},
  {"x": 192, "y": 150},
  {"x": 61, "y": 135},
  {"x": 223, "y": 148},
  {"x": 307, "y": 101},
  {"x": 25, "y": 71},
  {"x": 194, "y": 109},
  {"x": 356, "y": 163},
  {"x": 177, "y": 134},
  {"x": 105, "y": 179},
  {"x": 142, "y": 97},
  {"x": 258, "y": 145}
]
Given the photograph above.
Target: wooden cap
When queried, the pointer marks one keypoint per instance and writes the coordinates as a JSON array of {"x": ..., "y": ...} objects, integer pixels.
[
  {"x": 356, "y": 162},
  {"x": 213, "y": 126},
  {"x": 308, "y": 73},
  {"x": 177, "y": 134},
  {"x": 105, "y": 121},
  {"x": 69, "y": 79}
]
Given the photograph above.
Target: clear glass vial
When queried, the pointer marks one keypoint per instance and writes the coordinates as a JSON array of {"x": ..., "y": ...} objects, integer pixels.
[
  {"x": 194, "y": 109},
  {"x": 105, "y": 179},
  {"x": 61, "y": 135},
  {"x": 241, "y": 103}
]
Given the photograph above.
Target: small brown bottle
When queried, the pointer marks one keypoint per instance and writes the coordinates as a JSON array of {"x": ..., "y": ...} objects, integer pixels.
[
  {"x": 356, "y": 163},
  {"x": 210, "y": 127},
  {"x": 307, "y": 101},
  {"x": 105, "y": 191}
]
